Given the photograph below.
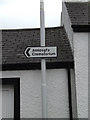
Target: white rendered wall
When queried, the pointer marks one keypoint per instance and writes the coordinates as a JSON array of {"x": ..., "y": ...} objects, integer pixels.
[
  {"x": 81, "y": 72},
  {"x": 67, "y": 24},
  {"x": 0, "y": 101},
  {"x": 57, "y": 89},
  {"x": 89, "y": 74}
]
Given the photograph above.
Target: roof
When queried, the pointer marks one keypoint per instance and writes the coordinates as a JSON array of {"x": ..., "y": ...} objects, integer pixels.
[
  {"x": 14, "y": 43},
  {"x": 79, "y": 14}
]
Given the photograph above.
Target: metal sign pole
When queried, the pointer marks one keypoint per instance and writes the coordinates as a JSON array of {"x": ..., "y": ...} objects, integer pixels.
[{"x": 43, "y": 62}]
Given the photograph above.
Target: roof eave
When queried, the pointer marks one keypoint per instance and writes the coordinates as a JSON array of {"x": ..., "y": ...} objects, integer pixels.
[
  {"x": 36, "y": 66},
  {"x": 81, "y": 28}
]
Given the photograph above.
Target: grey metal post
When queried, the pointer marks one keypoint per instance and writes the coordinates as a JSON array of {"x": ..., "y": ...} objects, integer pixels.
[{"x": 43, "y": 63}]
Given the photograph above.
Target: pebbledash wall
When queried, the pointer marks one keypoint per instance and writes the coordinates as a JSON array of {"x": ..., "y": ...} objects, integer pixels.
[
  {"x": 76, "y": 16},
  {"x": 81, "y": 71},
  {"x": 30, "y": 92}
]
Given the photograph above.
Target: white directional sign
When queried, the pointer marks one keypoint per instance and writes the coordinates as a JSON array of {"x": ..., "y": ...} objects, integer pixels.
[{"x": 41, "y": 52}]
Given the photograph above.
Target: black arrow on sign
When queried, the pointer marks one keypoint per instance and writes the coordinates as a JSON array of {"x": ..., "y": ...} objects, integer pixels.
[{"x": 27, "y": 52}]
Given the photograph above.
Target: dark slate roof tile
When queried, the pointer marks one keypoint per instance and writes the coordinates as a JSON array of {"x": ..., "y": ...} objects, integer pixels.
[
  {"x": 78, "y": 12},
  {"x": 14, "y": 43}
]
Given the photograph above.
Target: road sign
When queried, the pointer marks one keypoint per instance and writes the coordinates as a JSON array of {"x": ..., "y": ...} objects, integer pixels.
[{"x": 41, "y": 52}]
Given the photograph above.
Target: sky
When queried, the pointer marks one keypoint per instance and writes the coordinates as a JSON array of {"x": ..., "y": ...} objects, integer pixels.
[{"x": 16, "y": 14}]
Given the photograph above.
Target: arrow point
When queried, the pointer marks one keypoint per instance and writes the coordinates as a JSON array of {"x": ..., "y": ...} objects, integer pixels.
[{"x": 27, "y": 52}]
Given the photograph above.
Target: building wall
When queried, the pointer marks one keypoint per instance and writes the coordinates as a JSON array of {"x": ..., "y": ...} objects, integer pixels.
[
  {"x": 67, "y": 24},
  {"x": 0, "y": 100},
  {"x": 88, "y": 75},
  {"x": 0, "y": 74},
  {"x": 81, "y": 72},
  {"x": 73, "y": 94},
  {"x": 30, "y": 84}
]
